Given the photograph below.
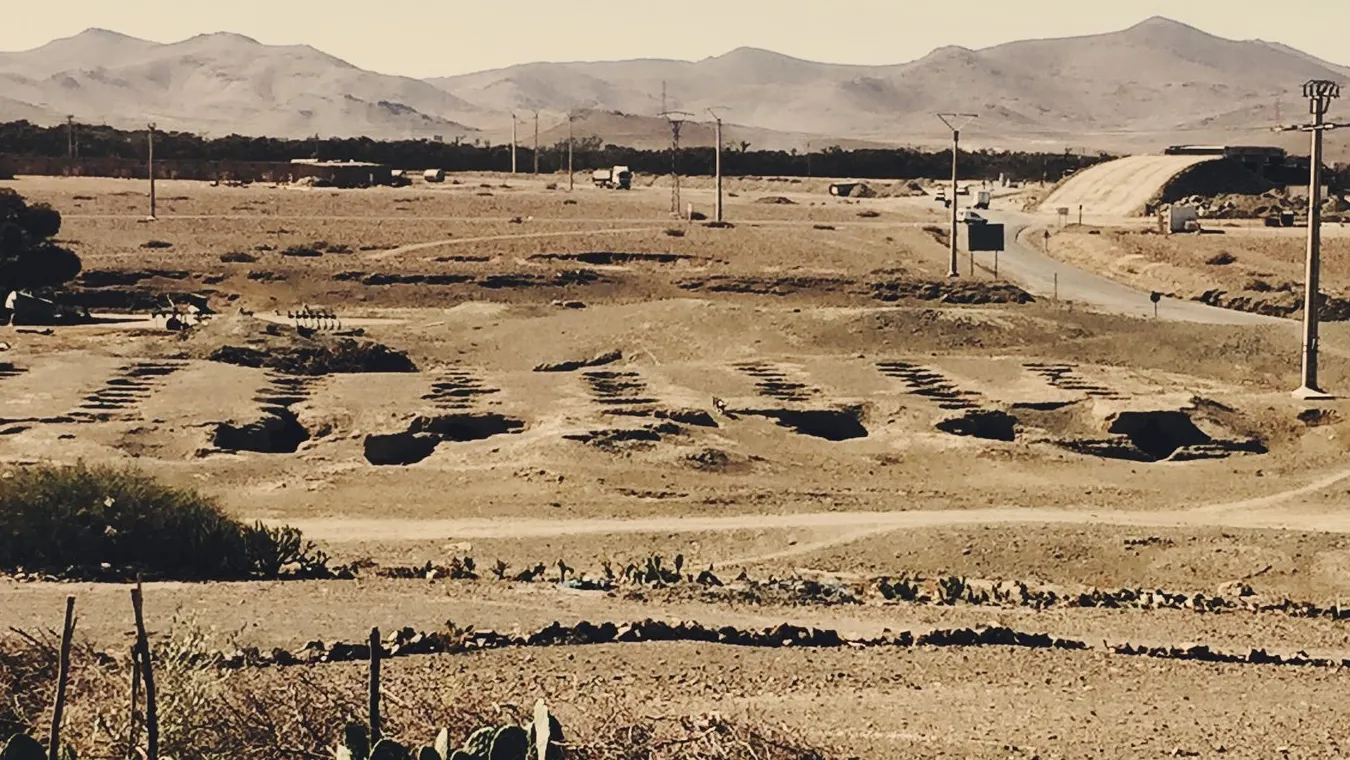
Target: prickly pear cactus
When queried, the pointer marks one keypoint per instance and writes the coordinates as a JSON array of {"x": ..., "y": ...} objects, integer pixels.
[
  {"x": 427, "y": 753},
  {"x": 460, "y": 754},
  {"x": 388, "y": 749},
  {"x": 23, "y": 747},
  {"x": 442, "y": 744},
  {"x": 479, "y": 744},
  {"x": 510, "y": 743},
  {"x": 545, "y": 735},
  {"x": 355, "y": 744}
]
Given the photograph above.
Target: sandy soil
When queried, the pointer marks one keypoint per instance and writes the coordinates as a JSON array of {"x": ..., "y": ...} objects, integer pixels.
[{"x": 859, "y": 436}]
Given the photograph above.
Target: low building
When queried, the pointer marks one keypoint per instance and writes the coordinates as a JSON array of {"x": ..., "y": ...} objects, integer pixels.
[{"x": 345, "y": 174}]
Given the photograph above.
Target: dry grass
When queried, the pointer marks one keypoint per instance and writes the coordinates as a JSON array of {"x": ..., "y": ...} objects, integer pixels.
[{"x": 300, "y": 712}]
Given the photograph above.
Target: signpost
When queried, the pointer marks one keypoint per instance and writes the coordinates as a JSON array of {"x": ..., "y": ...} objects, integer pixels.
[{"x": 984, "y": 237}]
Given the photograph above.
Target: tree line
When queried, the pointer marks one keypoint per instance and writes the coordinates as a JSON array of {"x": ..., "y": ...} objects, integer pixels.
[{"x": 26, "y": 139}]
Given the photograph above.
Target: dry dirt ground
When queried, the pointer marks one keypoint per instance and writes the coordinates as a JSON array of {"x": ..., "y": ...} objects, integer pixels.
[
  {"x": 871, "y": 424},
  {"x": 1265, "y": 264}
]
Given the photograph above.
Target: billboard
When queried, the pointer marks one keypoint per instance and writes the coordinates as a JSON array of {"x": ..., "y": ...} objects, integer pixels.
[{"x": 984, "y": 237}]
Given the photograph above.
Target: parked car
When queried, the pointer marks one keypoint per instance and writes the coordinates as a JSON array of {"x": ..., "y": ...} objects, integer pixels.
[{"x": 970, "y": 216}]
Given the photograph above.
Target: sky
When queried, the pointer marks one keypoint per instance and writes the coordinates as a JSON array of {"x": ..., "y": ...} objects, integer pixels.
[{"x": 424, "y": 38}]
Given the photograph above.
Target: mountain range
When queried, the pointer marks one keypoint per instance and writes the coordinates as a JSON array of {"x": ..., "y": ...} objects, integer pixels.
[{"x": 1156, "y": 83}]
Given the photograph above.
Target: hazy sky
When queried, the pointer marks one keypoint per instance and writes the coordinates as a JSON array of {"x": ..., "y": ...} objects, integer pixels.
[{"x": 435, "y": 37}]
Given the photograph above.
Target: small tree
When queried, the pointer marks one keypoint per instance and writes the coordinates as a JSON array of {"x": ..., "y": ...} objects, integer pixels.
[{"x": 29, "y": 258}]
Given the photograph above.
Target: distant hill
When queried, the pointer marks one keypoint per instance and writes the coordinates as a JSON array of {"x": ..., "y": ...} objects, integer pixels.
[
  {"x": 223, "y": 83},
  {"x": 1155, "y": 83}
]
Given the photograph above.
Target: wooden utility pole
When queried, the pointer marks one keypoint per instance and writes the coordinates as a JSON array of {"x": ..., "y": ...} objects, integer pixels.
[
  {"x": 513, "y": 142},
  {"x": 1319, "y": 93},
  {"x": 151, "y": 138},
  {"x": 955, "y": 122},
  {"x": 571, "y": 177},
  {"x": 70, "y": 137},
  {"x": 717, "y": 137},
  {"x": 536, "y": 143}
]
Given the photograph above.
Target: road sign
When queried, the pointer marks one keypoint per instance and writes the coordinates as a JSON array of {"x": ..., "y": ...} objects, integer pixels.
[{"x": 984, "y": 237}]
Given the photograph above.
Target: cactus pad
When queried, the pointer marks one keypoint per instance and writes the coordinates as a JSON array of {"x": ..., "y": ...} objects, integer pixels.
[
  {"x": 510, "y": 743},
  {"x": 23, "y": 747}
]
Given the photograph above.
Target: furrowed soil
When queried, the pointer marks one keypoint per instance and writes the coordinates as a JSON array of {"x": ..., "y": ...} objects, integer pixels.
[{"x": 802, "y": 397}]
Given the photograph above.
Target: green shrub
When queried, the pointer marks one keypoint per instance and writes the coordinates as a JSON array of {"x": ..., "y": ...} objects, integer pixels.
[{"x": 104, "y": 523}]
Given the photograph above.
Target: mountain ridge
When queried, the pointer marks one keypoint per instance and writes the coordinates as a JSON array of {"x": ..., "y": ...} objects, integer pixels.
[{"x": 1138, "y": 87}]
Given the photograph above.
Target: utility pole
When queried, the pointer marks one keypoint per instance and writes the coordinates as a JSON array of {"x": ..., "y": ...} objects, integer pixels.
[
  {"x": 955, "y": 122},
  {"x": 513, "y": 142},
  {"x": 717, "y": 137},
  {"x": 70, "y": 137},
  {"x": 571, "y": 177},
  {"x": 1319, "y": 93},
  {"x": 150, "y": 136},
  {"x": 536, "y": 142},
  {"x": 676, "y": 119}
]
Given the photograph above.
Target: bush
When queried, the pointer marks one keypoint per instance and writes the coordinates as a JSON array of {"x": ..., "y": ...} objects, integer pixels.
[
  {"x": 673, "y": 232},
  {"x": 302, "y": 250},
  {"x": 111, "y": 524},
  {"x": 28, "y": 256},
  {"x": 156, "y": 244},
  {"x": 238, "y": 257}
]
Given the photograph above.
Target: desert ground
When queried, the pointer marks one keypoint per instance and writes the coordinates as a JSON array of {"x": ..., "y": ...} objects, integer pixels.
[{"x": 801, "y": 401}]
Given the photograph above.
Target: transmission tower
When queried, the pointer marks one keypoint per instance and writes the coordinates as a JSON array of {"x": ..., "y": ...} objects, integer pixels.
[{"x": 676, "y": 119}]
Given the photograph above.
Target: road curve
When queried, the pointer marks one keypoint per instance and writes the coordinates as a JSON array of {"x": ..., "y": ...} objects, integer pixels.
[{"x": 1038, "y": 273}]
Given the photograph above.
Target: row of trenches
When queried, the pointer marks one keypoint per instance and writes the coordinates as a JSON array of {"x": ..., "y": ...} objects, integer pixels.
[
  {"x": 278, "y": 429},
  {"x": 774, "y": 382},
  {"x": 1065, "y": 377},
  {"x": 457, "y": 389},
  {"x": 1139, "y": 436},
  {"x": 123, "y": 392}
]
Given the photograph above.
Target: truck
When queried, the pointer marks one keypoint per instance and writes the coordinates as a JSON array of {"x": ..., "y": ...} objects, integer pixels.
[
  {"x": 982, "y": 199},
  {"x": 613, "y": 178}
]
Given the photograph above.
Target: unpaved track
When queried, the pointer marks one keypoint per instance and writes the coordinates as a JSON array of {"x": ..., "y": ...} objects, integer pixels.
[{"x": 1237, "y": 515}]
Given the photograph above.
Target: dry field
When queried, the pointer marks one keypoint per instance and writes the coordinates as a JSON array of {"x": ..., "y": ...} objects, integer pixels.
[
  {"x": 876, "y": 421},
  {"x": 1263, "y": 264}
]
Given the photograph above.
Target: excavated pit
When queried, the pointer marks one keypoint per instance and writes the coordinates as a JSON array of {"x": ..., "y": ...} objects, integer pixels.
[
  {"x": 278, "y": 432},
  {"x": 829, "y": 424},
  {"x": 461, "y": 428},
  {"x": 1158, "y": 434},
  {"x": 988, "y": 424},
  {"x": 424, "y": 434},
  {"x": 399, "y": 449}
]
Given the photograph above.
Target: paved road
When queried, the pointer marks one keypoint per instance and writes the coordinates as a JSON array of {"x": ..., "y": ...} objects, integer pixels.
[{"x": 1037, "y": 274}]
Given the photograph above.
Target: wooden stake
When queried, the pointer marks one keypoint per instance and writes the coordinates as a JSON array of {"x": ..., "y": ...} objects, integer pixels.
[
  {"x": 135, "y": 698},
  {"x": 374, "y": 686},
  {"x": 143, "y": 644},
  {"x": 67, "y": 633}
]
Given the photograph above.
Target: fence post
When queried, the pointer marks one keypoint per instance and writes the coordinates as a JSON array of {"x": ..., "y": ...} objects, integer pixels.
[
  {"x": 374, "y": 686},
  {"x": 143, "y": 644},
  {"x": 67, "y": 633}
]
